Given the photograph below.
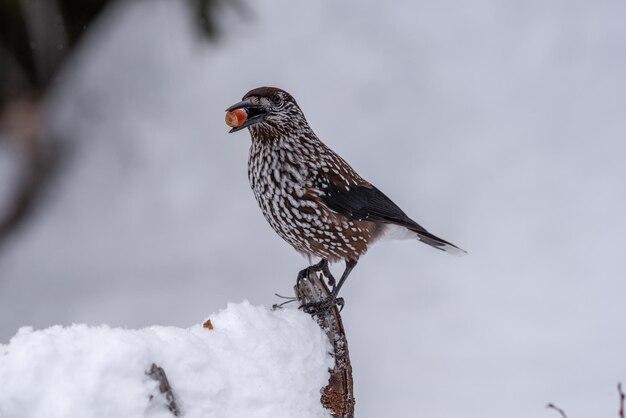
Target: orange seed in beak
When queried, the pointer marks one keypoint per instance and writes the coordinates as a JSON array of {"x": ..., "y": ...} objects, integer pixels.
[{"x": 236, "y": 118}]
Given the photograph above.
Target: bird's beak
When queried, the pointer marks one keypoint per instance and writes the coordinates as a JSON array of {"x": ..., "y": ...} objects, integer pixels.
[{"x": 255, "y": 113}]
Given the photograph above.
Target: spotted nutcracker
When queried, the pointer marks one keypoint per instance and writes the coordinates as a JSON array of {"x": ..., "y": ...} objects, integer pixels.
[{"x": 311, "y": 197}]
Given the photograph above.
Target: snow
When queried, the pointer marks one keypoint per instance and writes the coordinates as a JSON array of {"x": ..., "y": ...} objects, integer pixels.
[
  {"x": 253, "y": 363},
  {"x": 496, "y": 125}
]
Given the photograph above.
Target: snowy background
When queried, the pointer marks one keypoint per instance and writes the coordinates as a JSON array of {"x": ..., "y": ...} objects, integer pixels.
[{"x": 500, "y": 126}]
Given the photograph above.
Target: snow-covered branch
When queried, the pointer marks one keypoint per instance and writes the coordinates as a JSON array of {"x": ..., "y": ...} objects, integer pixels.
[
  {"x": 255, "y": 362},
  {"x": 338, "y": 395}
]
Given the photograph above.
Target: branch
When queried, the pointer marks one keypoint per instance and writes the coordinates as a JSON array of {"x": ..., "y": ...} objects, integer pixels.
[
  {"x": 556, "y": 408},
  {"x": 21, "y": 121},
  {"x": 338, "y": 395},
  {"x": 158, "y": 374},
  {"x": 622, "y": 398}
]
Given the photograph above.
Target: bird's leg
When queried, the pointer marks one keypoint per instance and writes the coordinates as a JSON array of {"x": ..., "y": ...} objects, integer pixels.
[
  {"x": 349, "y": 266},
  {"x": 321, "y": 266},
  {"x": 324, "y": 305},
  {"x": 329, "y": 276}
]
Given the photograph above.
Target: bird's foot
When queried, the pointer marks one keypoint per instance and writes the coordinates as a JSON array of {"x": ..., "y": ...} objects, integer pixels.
[
  {"x": 324, "y": 306},
  {"x": 321, "y": 266}
]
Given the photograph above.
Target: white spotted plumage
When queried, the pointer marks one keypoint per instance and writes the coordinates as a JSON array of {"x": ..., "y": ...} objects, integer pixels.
[
  {"x": 281, "y": 172},
  {"x": 309, "y": 195}
]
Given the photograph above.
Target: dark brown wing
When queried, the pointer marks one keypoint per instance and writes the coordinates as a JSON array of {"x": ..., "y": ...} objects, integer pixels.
[{"x": 370, "y": 204}]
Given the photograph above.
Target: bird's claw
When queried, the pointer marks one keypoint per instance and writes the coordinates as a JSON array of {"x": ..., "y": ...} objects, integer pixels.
[
  {"x": 321, "y": 266},
  {"x": 340, "y": 303},
  {"x": 323, "y": 306}
]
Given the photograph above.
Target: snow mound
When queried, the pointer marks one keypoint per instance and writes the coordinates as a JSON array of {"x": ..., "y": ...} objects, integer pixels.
[{"x": 254, "y": 363}]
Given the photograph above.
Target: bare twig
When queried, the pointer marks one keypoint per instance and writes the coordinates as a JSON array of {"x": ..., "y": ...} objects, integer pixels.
[
  {"x": 556, "y": 408},
  {"x": 338, "y": 396},
  {"x": 622, "y": 398},
  {"x": 158, "y": 374}
]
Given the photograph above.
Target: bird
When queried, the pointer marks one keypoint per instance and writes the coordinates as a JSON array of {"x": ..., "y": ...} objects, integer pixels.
[{"x": 312, "y": 197}]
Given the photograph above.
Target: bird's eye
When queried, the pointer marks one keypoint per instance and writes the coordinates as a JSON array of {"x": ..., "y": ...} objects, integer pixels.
[{"x": 276, "y": 100}]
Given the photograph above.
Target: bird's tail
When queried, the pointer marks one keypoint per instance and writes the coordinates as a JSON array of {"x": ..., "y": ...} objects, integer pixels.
[
  {"x": 411, "y": 230},
  {"x": 440, "y": 244}
]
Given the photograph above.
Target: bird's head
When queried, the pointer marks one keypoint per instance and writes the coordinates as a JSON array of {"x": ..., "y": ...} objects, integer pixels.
[{"x": 268, "y": 108}]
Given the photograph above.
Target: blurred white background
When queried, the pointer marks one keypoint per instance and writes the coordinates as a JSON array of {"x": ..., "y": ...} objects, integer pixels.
[{"x": 500, "y": 126}]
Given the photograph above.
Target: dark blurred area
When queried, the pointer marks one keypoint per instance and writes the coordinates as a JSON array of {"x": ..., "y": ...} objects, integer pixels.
[{"x": 36, "y": 40}]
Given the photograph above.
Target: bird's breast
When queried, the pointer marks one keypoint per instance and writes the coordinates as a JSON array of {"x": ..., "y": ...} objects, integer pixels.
[{"x": 285, "y": 186}]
